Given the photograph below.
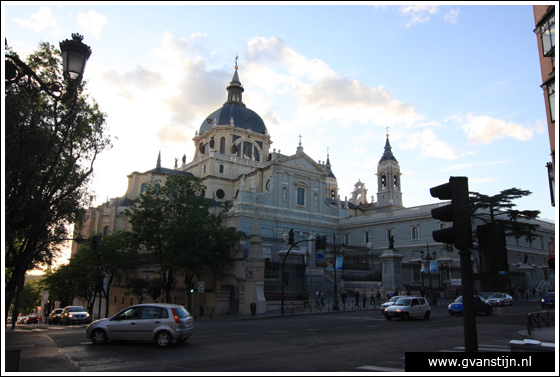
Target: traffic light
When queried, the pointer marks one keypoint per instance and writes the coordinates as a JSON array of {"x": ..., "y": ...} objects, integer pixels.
[
  {"x": 458, "y": 212},
  {"x": 492, "y": 247},
  {"x": 321, "y": 243},
  {"x": 95, "y": 241},
  {"x": 286, "y": 278}
]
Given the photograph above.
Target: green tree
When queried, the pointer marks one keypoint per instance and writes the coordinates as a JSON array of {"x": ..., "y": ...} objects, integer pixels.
[
  {"x": 61, "y": 284},
  {"x": 174, "y": 224},
  {"x": 30, "y": 297},
  {"x": 500, "y": 208},
  {"x": 50, "y": 147}
]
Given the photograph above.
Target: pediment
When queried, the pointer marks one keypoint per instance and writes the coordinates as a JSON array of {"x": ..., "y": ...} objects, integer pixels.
[{"x": 302, "y": 162}]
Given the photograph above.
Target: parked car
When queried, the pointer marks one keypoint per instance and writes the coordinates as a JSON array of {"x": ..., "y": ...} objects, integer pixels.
[
  {"x": 408, "y": 307},
  {"x": 500, "y": 299},
  {"x": 54, "y": 317},
  {"x": 21, "y": 320},
  {"x": 161, "y": 323},
  {"x": 391, "y": 301},
  {"x": 32, "y": 319},
  {"x": 548, "y": 299},
  {"x": 74, "y": 314},
  {"x": 480, "y": 306}
]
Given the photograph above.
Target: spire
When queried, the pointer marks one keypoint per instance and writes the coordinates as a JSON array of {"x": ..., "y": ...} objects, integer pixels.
[
  {"x": 388, "y": 154},
  {"x": 158, "y": 165},
  {"x": 328, "y": 166},
  {"x": 235, "y": 89}
]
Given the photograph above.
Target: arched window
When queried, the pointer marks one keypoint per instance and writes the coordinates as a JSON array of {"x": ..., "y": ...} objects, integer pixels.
[
  {"x": 143, "y": 188},
  {"x": 223, "y": 145},
  {"x": 383, "y": 181}
]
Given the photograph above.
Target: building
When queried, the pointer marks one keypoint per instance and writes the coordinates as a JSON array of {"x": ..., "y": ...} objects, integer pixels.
[
  {"x": 273, "y": 196},
  {"x": 545, "y": 32}
]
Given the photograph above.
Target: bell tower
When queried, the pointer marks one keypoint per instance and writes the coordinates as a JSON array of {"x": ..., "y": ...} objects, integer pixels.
[{"x": 389, "y": 193}]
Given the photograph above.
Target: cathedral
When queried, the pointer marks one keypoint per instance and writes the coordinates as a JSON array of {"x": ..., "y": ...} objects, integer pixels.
[{"x": 271, "y": 196}]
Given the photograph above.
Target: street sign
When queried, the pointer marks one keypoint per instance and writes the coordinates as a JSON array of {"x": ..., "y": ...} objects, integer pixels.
[{"x": 200, "y": 287}]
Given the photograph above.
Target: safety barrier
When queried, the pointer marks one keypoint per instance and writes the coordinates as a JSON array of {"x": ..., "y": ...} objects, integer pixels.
[{"x": 538, "y": 319}]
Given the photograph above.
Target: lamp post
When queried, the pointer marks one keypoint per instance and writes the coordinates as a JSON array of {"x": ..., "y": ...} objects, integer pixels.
[
  {"x": 335, "y": 298},
  {"x": 74, "y": 57},
  {"x": 428, "y": 258}
]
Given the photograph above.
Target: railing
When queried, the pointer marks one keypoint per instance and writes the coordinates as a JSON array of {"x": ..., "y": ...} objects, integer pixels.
[
  {"x": 312, "y": 306},
  {"x": 539, "y": 319}
]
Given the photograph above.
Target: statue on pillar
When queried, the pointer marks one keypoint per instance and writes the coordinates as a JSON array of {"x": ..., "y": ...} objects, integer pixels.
[
  {"x": 391, "y": 242},
  {"x": 291, "y": 237}
]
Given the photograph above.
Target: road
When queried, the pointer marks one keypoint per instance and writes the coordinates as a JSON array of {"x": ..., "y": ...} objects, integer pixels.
[{"x": 329, "y": 342}]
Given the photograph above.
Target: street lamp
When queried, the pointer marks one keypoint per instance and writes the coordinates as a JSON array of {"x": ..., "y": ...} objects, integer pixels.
[
  {"x": 74, "y": 57},
  {"x": 342, "y": 249},
  {"x": 428, "y": 259}
]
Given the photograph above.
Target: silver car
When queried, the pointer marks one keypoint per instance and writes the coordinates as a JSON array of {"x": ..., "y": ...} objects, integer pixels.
[
  {"x": 391, "y": 301},
  {"x": 407, "y": 307},
  {"x": 500, "y": 299},
  {"x": 161, "y": 323}
]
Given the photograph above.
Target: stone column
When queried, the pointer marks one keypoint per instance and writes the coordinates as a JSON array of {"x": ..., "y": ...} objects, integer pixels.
[
  {"x": 254, "y": 273},
  {"x": 392, "y": 270}
]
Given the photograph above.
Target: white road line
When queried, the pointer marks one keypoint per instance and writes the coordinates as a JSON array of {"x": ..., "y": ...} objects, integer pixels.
[{"x": 380, "y": 369}]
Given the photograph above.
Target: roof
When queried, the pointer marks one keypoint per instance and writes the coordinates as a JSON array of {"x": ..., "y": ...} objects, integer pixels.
[
  {"x": 388, "y": 154},
  {"x": 243, "y": 117}
]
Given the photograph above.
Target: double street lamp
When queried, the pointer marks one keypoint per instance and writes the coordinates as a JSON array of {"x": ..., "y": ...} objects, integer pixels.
[{"x": 429, "y": 257}]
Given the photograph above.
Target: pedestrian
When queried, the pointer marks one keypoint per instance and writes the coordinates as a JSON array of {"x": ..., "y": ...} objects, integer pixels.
[
  {"x": 396, "y": 292},
  {"x": 344, "y": 298},
  {"x": 378, "y": 297},
  {"x": 364, "y": 299},
  {"x": 372, "y": 298},
  {"x": 305, "y": 299},
  {"x": 322, "y": 299},
  {"x": 337, "y": 298},
  {"x": 357, "y": 297},
  {"x": 317, "y": 295},
  {"x": 391, "y": 293}
]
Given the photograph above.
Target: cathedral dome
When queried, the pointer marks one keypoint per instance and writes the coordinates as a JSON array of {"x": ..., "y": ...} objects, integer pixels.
[{"x": 234, "y": 109}]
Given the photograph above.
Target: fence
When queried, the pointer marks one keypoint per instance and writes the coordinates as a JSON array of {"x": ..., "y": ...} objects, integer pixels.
[{"x": 538, "y": 319}]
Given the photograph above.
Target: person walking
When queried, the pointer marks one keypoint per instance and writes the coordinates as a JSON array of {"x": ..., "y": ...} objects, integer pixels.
[
  {"x": 378, "y": 297},
  {"x": 317, "y": 296},
  {"x": 372, "y": 298},
  {"x": 357, "y": 297},
  {"x": 344, "y": 298},
  {"x": 364, "y": 299},
  {"x": 322, "y": 299},
  {"x": 305, "y": 299}
]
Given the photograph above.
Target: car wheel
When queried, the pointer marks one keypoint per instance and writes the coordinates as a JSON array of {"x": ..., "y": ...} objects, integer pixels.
[
  {"x": 489, "y": 311},
  {"x": 406, "y": 316},
  {"x": 427, "y": 315},
  {"x": 511, "y": 303},
  {"x": 387, "y": 318},
  {"x": 98, "y": 336},
  {"x": 163, "y": 339}
]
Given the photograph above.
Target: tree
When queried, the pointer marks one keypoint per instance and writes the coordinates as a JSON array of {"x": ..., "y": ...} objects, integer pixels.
[
  {"x": 30, "y": 297},
  {"x": 173, "y": 223},
  {"x": 499, "y": 208},
  {"x": 61, "y": 284},
  {"x": 50, "y": 147}
]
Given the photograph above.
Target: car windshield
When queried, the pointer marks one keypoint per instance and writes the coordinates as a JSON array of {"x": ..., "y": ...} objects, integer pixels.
[
  {"x": 58, "y": 311},
  {"x": 403, "y": 302},
  {"x": 459, "y": 299},
  {"x": 497, "y": 296},
  {"x": 394, "y": 299},
  {"x": 76, "y": 309}
]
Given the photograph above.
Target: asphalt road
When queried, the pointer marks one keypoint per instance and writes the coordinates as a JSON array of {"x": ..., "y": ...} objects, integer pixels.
[{"x": 359, "y": 341}]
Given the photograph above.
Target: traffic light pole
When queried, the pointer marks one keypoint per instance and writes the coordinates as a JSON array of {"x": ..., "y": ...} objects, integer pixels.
[
  {"x": 469, "y": 319},
  {"x": 283, "y": 264}
]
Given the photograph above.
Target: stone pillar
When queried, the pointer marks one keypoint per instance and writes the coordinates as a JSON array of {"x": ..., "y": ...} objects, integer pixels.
[
  {"x": 392, "y": 270},
  {"x": 254, "y": 273},
  {"x": 311, "y": 249},
  {"x": 529, "y": 272}
]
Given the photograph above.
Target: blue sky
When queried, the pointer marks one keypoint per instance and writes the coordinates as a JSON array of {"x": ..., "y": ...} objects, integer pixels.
[{"x": 457, "y": 85}]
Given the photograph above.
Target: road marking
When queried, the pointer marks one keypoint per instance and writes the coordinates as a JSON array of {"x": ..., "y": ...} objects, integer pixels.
[{"x": 380, "y": 369}]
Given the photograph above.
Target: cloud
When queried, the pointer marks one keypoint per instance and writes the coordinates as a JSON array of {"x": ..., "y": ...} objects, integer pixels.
[
  {"x": 418, "y": 13},
  {"x": 429, "y": 146},
  {"x": 484, "y": 130},
  {"x": 40, "y": 20},
  {"x": 140, "y": 78},
  {"x": 452, "y": 16},
  {"x": 319, "y": 93},
  {"x": 170, "y": 134},
  {"x": 92, "y": 22}
]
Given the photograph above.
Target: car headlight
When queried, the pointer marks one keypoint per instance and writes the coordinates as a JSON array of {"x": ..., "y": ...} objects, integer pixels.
[
  {"x": 87, "y": 314},
  {"x": 70, "y": 315},
  {"x": 398, "y": 310}
]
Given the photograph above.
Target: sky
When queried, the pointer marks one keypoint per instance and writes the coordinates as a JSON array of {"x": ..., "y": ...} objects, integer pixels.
[{"x": 456, "y": 87}]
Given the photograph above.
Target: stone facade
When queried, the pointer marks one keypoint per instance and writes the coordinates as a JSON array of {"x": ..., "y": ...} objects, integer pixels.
[{"x": 270, "y": 192}]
